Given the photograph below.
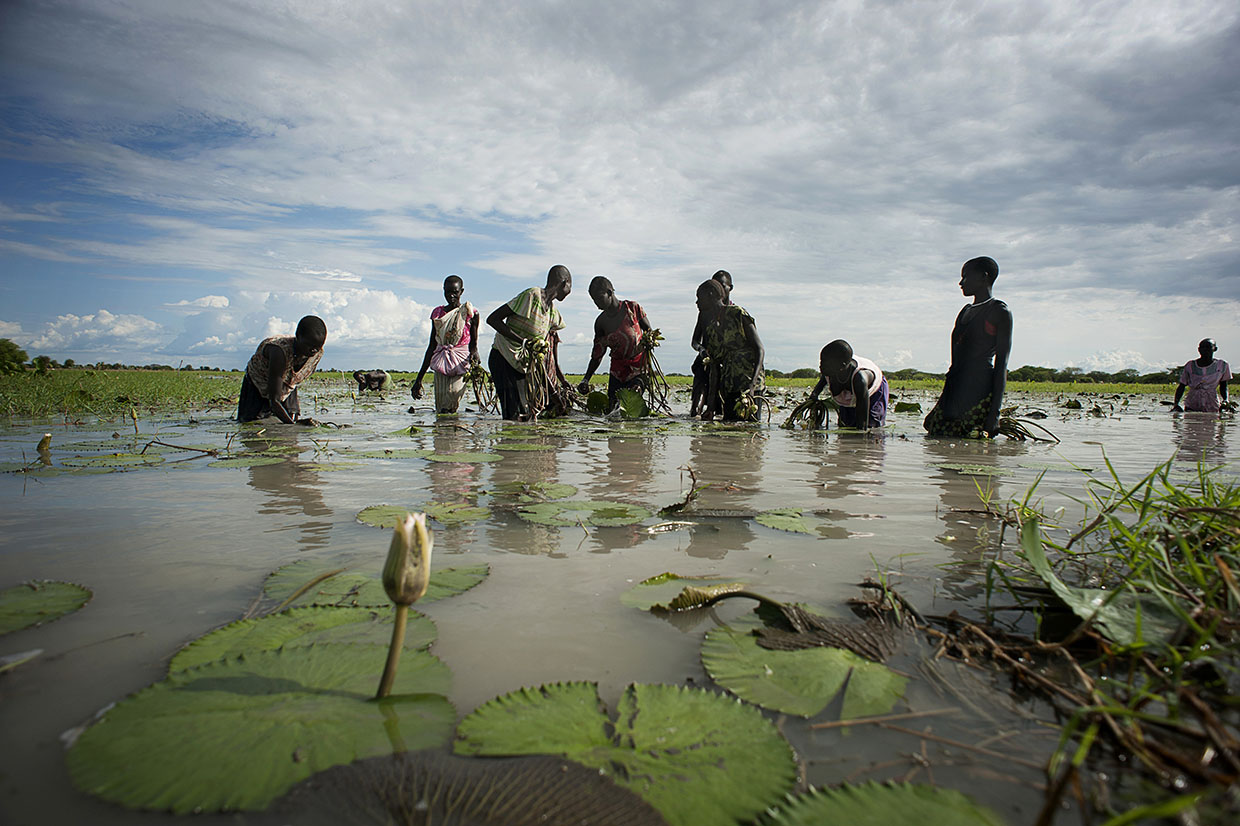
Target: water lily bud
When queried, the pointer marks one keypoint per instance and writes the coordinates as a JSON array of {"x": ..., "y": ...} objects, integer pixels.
[
  {"x": 407, "y": 570},
  {"x": 45, "y": 443}
]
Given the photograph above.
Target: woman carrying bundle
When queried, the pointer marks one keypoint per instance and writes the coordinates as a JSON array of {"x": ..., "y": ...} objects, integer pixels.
[{"x": 452, "y": 348}]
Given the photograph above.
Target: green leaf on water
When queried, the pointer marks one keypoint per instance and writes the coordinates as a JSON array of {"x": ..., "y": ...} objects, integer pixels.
[
  {"x": 533, "y": 491},
  {"x": 114, "y": 460},
  {"x": 908, "y": 407},
  {"x": 797, "y": 682},
  {"x": 567, "y": 513},
  {"x": 975, "y": 470},
  {"x": 396, "y": 453},
  {"x": 352, "y": 588},
  {"x": 299, "y": 627},
  {"x": 696, "y": 756},
  {"x": 255, "y": 460},
  {"x": 785, "y": 519},
  {"x": 464, "y": 458},
  {"x": 455, "y": 513},
  {"x": 885, "y": 803},
  {"x": 411, "y": 430},
  {"x": 658, "y": 592},
  {"x": 632, "y": 404},
  {"x": 236, "y": 734},
  {"x": 37, "y": 602},
  {"x": 596, "y": 403},
  {"x": 520, "y": 446},
  {"x": 331, "y": 466},
  {"x": 1126, "y": 617}
]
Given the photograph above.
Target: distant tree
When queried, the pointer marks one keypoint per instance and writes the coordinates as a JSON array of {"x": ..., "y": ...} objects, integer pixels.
[
  {"x": 12, "y": 358},
  {"x": 42, "y": 364},
  {"x": 70, "y": 363},
  {"x": 803, "y": 373}
]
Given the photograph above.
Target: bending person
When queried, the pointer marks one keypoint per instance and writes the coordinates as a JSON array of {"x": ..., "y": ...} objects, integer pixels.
[
  {"x": 733, "y": 356},
  {"x": 1206, "y": 379},
  {"x": 452, "y": 348},
  {"x": 519, "y": 325},
  {"x": 278, "y": 365},
  {"x": 618, "y": 328},
  {"x": 981, "y": 342},
  {"x": 856, "y": 384}
]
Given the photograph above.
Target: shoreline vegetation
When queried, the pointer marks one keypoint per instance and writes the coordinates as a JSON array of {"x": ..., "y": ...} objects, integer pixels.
[{"x": 74, "y": 392}]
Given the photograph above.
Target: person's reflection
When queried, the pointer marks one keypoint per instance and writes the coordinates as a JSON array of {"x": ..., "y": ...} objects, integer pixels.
[
  {"x": 452, "y": 483},
  {"x": 630, "y": 466},
  {"x": 1199, "y": 437},
  {"x": 968, "y": 531},
  {"x": 505, "y": 530},
  {"x": 730, "y": 461},
  {"x": 290, "y": 487},
  {"x": 850, "y": 465}
]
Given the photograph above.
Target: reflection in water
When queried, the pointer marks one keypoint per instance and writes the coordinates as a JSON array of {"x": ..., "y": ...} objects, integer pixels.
[
  {"x": 732, "y": 466},
  {"x": 508, "y": 532},
  {"x": 291, "y": 488},
  {"x": 850, "y": 466},
  {"x": 452, "y": 482},
  {"x": 1199, "y": 437}
]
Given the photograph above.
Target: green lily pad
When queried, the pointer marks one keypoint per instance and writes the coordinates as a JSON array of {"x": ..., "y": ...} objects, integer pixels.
[
  {"x": 658, "y": 592},
  {"x": 885, "y": 803},
  {"x": 13, "y": 467},
  {"x": 1126, "y": 617},
  {"x": 114, "y": 460},
  {"x": 694, "y": 755},
  {"x": 239, "y": 733},
  {"x": 445, "y": 513},
  {"x": 533, "y": 491},
  {"x": 785, "y": 519},
  {"x": 571, "y": 512},
  {"x": 797, "y": 682},
  {"x": 331, "y": 466},
  {"x": 34, "y": 603},
  {"x": 411, "y": 430},
  {"x": 908, "y": 407},
  {"x": 396, "y": 453},
  {"x": 256, "y": 460},
  {"x": 383, "y": 516},
  {"x": 361, "y": 590},
  {"x": 632, "y": 404},
  {"x": 976, "y": 470},
  {"x": 518, "y": 446},
  {"x": 299, "y": 627},
  {"x": 464, "y": 458},
  {"x": 596, "y": 403}
]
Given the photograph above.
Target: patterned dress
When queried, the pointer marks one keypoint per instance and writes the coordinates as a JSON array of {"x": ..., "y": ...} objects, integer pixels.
[
  {"x": 1202, "y": 384},
  {"x": 254, "y": 403},
  {"x": 733, "y": 355},
  {"x": 964, "y": 404}
]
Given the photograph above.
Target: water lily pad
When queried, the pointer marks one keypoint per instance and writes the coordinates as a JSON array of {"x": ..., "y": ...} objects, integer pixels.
[
  {"x": 329, "y": 467},
  {"x": 13, "y": 467},
  {"x": 658, "y": 592},
  {"x": 797, "y": 682},
  {"x": 114, "y": 460},
  {"x": 352, "y": 588},
  {"x": 237, "y": 734},
  {"x": 908, "y": 407},
  {"x": 254, "y": 460},
  {"x": 396, "y": 453},
  {"x": 533, "y": 491},
  {"x": 976, "y": 470},
  {"x": 455, "y": 513},
  {"x": 596, "y": 403},
  {"x": 785, "y": 519},
  {"x": 1126, "y": 617},
  {"x": 299, "y": 627},
  {"x": 884, "y": 803},
  {"x": 567, "y": 513},
  {"x": 518, "y": 446},
  {"x": 696, "y": 756},
  {"x": 411, "y": 430},
  {"x": 34, "y": 603},
  {"x": 632, "y": 404},
  {"x": 464, "y": 458}
]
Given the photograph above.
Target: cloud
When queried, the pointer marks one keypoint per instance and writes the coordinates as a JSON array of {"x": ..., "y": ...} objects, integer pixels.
[
  {"x": 101, "y": 331},
  {"x": 214, "y": 302}
]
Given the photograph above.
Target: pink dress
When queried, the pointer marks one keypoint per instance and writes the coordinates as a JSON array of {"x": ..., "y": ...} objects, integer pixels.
[{"x": 1202, "y": 384}]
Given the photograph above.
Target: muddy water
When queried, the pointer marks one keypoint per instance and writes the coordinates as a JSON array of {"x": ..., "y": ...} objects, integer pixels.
[{"x": 178, "y": 549}]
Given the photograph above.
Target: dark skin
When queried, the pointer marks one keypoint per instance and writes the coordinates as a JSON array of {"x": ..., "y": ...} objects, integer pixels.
[
  {"x": 1206, "y": 350},
  {"x": 725, "y": 280},
  {"x": 710, "y": 311},
  {"x": 559, "y": 285},
  {"x": 303, "y": 348},
  {"x": 453, "y": 289},
  {"x": 609, "y": 319},
  {"x": 837, "y": 375},
  {"x": 975, "y": 282}
]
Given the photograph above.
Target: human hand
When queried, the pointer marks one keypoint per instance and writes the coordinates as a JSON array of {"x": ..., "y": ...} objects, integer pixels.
[
  {"x": 416, "y": 391},
  {"x": 584, "y": 387},
  {"x": 1175, "y": 408},
  {"x": 308, "y": 421}
]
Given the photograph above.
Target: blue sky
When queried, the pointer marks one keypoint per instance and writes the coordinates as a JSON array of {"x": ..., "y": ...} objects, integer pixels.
[{"x": 180, "y": 179}]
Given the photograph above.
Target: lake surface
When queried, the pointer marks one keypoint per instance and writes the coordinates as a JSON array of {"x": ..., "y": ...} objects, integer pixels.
[{"x": 177, "y": 549}]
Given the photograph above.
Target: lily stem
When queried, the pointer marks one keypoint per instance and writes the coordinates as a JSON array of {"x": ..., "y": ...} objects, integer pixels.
[{"x": 393, "y": 657}]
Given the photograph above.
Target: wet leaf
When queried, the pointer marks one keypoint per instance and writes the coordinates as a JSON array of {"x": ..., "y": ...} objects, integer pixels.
[
  {"x": 331, "y": 466},
  {"x": 797, "y": 682},
  {"x": 785, "y": 519},
  {"x": 596, "y": 403},
  {"x": 976, "y": 470},
  {"x": 363, "y": 590},
  {"x": 396, "y": 453},
  {"x": 114, "y": 460},
  {"x": 519, "y": 446},
  {"x": 464, "y": 458},
  {"x": 455, "y": 513},
  {"x": 657, "y": 591},
  {"x": 885, "y": 803},
  {"x": 632, "y": 404},
  {"x": 696, "y": 756},
  {"x": 299, "y": 627},
  {"x": 1126, "y": 617},
  {"x": 908, "y": 407},
  {"x": 567, "y": 513},
  {"x": 34, "y": 603},
  {"x": 237, "y": 734},
  {"x": 256, "y": 460}
]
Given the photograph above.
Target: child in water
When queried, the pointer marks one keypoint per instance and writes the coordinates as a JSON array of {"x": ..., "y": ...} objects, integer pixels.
[{"x": 856, "y": 384}]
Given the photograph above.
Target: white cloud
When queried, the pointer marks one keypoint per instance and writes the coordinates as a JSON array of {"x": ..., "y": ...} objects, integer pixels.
[
  {"x": 214, "y": 302},
  {"x": 101, "y": 331}
]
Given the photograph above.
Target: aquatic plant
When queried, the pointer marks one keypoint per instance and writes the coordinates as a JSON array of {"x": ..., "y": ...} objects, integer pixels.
[
  {"x": 658, "y": 391},
  {"x": 39, "y": 601},
  {"x": 810, "y": 413},
  {"x": 406, "y": 573}
]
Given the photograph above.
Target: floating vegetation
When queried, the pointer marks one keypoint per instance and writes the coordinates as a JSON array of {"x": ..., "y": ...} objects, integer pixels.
[
  {"x": 975, "y": 470},
  {"x": 907, "y": 407},
  {"x": 329, "y": 467},
  {"x": 254, "y": 460},
  {"x": 785, "y": 519},
  {"x": 632, "y": 405},
  {"x": 1018, "y": 429},
  {"x": 596, "y": 403},
  {"x": 343, "y": 587},
  {"x": 518, "y": 446},
  {"x": 810, "y": 413},
  {"x": 801, "y": 682},
  {"x": 113, "y": 460},
  {"x": 533, "y": 491},
  {"x": 396, "y": 453},
  {"x": 661, "y": 592},
  {"x": 568, "y": 513},
  {"x": 884, "y": 803},
  {"x": 411, "y": 430},
  {"x": 514, "y": 791},
  {"x": 694, "y": 755},
  {"x": 236, "y": 734},
  {"x": 36, "y": 602},
  {"x": 464, "y": 458},
  {"x": 300, "y": 627}
]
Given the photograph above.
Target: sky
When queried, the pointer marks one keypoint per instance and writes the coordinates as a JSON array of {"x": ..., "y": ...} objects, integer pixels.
[{"x": 179, "y": 179}]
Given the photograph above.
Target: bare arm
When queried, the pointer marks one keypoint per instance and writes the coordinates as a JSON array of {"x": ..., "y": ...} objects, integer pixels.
[
  {"x": 819, "y": 387},
  {"x": 1002, "y": 319},
  {"x": 861, "y": 398},
  {"x": 596, "y": 356},
  {"x": 1179, "y": 394},
  {"x": 426, "y": 361},
  {"x": 499, "y": 320},
  {"x": 473, "y": 337}
]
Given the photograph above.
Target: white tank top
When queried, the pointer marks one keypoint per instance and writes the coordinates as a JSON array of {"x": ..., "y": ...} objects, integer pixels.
[{"x": 845, "y": 398}]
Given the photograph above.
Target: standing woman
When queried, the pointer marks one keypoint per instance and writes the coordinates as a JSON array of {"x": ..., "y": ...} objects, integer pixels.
[
  {"x": 736, "y": 378},
  {"x": 981, "y": 342},
  {"x": 1206, "y": 379},
  {"x": 619, "y": 327},
  {"x": 530, "y": 318},
  {"x": 452, "y": 348}
]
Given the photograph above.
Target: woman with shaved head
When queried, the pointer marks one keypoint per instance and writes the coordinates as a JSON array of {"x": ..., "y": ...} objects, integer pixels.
[{"x": 530, "y": 317}]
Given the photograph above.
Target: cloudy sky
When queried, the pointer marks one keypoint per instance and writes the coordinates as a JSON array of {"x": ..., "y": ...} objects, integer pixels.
[{"x": 179, "y": 179}]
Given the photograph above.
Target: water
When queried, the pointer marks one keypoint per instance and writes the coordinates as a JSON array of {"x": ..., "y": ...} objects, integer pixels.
[{"x": 174, "y": 551}]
